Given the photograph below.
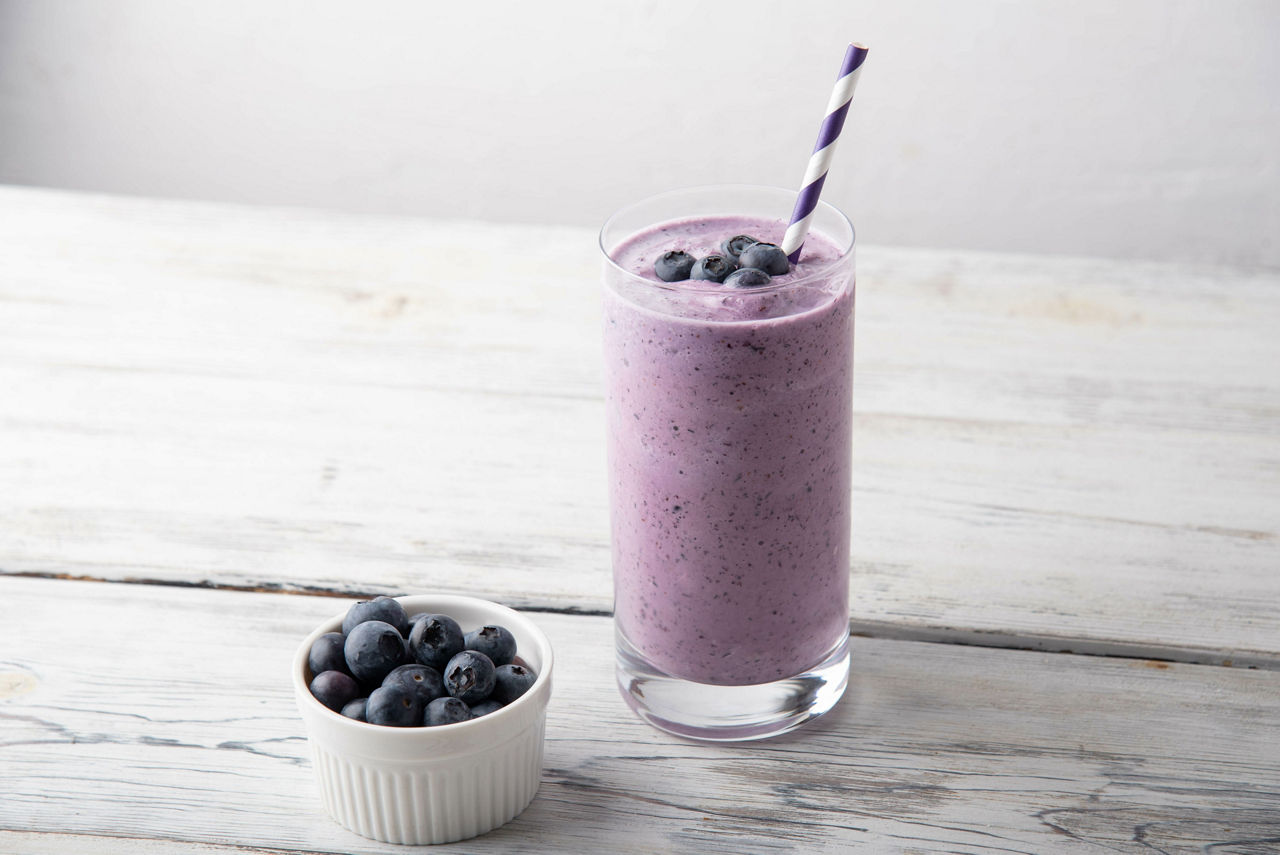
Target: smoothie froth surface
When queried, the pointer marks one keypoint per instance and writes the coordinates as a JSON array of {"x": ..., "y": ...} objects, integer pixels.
[{"x": 791, "y": 293}]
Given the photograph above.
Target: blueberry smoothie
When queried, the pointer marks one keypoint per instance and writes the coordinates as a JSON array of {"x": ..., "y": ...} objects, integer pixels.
[{"x": 729, "y": 410}]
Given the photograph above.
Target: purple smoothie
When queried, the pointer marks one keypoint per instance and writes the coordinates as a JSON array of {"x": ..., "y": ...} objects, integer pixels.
[{"x": 729, "y": 430}]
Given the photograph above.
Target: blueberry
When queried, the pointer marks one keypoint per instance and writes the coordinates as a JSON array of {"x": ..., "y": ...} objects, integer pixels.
[
  {"x": 394, "y": 705},
  {"x": 373, "y": 649},
  {"x": 713, "y": 268},
  {"x": 512, "y": 681},
  {"x": 769, "y": 257},
  {"x": 355, "y": 709},
  {"x": 434, "y": 640},
  {"x": 673, "y": 266},
  {"x": 384, "y": 609},
  {"x": 423, "y": 680},
  {"x": 485, "y": 707},
  {"x": 326, "y": 654},
  {"x": 496, "y": 642},
  {"x": 469, "y": 676},
  {"x": 334, "y": 689},
  {"x": 747, "y": 277},
  {"x": 734, "y": 246},
  {"x": 445, "y": 711}
]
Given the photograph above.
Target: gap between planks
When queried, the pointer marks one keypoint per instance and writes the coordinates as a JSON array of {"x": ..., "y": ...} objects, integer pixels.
[{"x": 1155, "y": 653}]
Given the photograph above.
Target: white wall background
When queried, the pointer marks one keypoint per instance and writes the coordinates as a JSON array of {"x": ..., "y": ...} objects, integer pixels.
[{"x": 1147, "y": 129}]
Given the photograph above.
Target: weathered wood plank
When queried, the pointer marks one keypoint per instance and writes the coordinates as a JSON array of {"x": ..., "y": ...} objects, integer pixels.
[
  {"x": 148, "y": 718},
  {"x": 1062, "y": 453}
]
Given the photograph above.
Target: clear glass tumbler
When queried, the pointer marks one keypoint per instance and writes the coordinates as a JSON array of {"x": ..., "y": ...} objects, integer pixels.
[{"x": 729, "y": 414}]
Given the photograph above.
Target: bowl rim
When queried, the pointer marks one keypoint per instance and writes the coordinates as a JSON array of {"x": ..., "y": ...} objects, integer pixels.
[{"x": 435, "y": 604}]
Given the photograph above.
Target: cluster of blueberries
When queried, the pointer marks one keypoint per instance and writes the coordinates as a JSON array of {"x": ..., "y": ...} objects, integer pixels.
[
  {"x": 743, "y": 262},
  {"x": 385, "y": 668}
]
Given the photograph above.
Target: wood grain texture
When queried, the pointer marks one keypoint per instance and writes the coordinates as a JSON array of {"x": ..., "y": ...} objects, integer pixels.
[
  {"x": 1049, "y": 452},
  {"x": 146, "y": 719}
]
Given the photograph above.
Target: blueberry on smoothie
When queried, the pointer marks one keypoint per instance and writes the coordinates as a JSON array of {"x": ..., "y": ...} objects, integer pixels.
[
  {"x": 768, "y": 257},
  {"x": 512, "y": 681},
  {"x": 713, "y": 268},
  {"x": 334, "y": 689},
  {"x": 384, "y": 609},
  {"x": 747, "y": 277},
  {"x": 673, "y": 266},
  {"x": 446, "y": 711},
  {"x": 434, "y": 640},
  {"x": 470, "y": 676},
  {"x": 733, "y": 247},
  {"x": 394, "y": 705},
  {"x": 326, "y": 654},
  {"x": 423, "y": 680},
  {"x": 372, "y": 650},
  {"x": 496, "y": 642}
]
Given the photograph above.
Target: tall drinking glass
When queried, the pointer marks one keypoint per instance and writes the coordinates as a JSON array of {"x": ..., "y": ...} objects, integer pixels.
[{"x": 729, "y": 416}]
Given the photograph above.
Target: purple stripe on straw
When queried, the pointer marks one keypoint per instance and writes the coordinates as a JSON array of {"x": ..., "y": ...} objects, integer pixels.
[
  {"x": 853, "y": 59},
  {"x": 831, "y": 127},
  {"x": 834, "y": 123},
  {"x": 805, "y": 203},
  {"x": 828, "y": 133}
]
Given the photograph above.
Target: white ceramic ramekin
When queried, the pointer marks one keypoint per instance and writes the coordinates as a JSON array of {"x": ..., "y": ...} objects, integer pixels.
[{"x": 419, "y": 785}]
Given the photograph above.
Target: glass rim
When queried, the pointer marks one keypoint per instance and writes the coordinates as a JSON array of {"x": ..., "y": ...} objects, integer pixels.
[{"x": 716, "y": 287}]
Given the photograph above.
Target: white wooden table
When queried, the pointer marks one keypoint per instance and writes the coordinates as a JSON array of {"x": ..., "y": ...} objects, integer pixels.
[{"x": 219, "y": 425}]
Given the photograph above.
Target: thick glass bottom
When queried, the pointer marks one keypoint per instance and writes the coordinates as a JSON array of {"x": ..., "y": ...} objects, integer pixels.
[{"x": 730, "y": 713}]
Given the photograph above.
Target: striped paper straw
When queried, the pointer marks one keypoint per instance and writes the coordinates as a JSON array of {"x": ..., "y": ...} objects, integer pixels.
[{"x": 828, "y": 136}]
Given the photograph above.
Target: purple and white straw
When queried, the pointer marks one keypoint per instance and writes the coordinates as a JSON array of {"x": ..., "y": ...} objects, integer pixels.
[{"x": 823, "y": 150}]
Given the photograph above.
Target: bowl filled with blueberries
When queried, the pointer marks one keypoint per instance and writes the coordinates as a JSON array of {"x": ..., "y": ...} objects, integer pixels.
[{"x": 425, "y": 715}]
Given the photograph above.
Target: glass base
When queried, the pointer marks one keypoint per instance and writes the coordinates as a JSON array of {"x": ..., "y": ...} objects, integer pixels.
[{"x": 730, "y": 713}]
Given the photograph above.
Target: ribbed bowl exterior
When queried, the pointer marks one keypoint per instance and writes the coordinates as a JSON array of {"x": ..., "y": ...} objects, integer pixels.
[
  {"x": 425, "y": 804},
  {"x": 420, "y": 785}
]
